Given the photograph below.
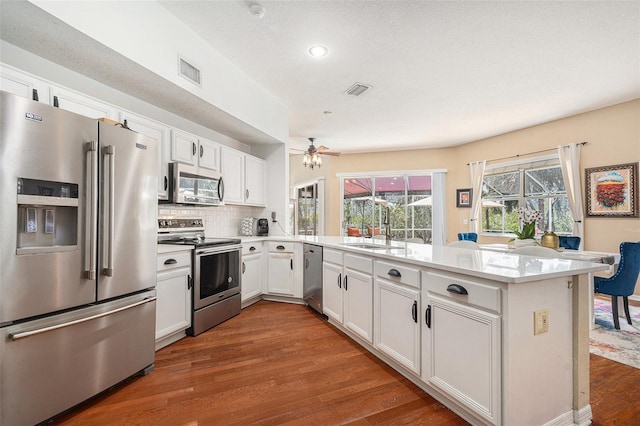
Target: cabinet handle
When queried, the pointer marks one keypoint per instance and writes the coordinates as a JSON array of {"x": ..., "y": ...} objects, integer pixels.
[
  {"x": 280, "y": 247},
  {"x": 345, "y": 282},
  {"x": 394, "y": 273},
  {"x": 427, "y": 316},
  {"x": 414, "y": 311},
  {"x": 201, "y": 151},
  {"x": 170, "y": 262},
  {"x": 55, "y": 102},
  {"x": 339, "y": 280},
  {"x": 166, "y": 183},
  {"x": 252, "y": 248},
  {"x": 306, "y": 264},
  {"x": 246, "y": 193},
  {"x": 457, "y": 289},
  {"x": 189, "y": 282},
  {"x": 221, "y": 190},
  {"x": 193, "y": 148},
  {"x": 292, "y": 264},
  {"x": 244, "y": 267},
  {"x": 34, "y": 94}
]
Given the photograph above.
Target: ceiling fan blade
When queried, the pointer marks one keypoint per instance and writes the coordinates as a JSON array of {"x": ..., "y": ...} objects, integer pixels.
[
  {"x": 335, "y": 154},
  {"x": 322, "y": 148}
]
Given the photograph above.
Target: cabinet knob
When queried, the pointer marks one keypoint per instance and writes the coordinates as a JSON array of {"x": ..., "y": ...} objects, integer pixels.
[
  {"x": 457, "y": 289},
  {"x": 280, "y": 247},
  {"x": 252, "y": 248},
  {"x": 394, "y": 273},
  {"x": 170, "y": 262}
]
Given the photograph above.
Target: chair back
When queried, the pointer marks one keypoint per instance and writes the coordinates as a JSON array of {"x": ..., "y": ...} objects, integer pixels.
[
  {"x": 464, "y": 244},
  {"x": 468, "y": 236},
  {"x": 569, "y": 242},
  {"x": 536, "y": 251},
  {"x": 626, "y": 276}
]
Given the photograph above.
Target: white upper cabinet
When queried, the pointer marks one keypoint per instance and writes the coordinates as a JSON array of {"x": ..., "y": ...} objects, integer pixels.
[
  {"x": 160, "y": 133},
  {"x": 23, "y": 85},
  {"x": 244, "y": 178},
  {"x": 81, "y": 104},
  {"x": 190, "y": 149}
]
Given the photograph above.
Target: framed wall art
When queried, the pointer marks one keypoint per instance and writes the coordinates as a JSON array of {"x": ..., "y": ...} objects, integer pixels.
[
  {"x": 463, "y": 197},
  {"x": 612, "y": 191}
]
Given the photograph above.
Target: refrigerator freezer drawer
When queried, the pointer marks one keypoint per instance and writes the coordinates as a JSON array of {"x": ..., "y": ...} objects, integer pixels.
[{"x": 52, "y": 364}]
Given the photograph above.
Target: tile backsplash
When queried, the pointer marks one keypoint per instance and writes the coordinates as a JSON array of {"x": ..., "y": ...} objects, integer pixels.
[{"x": 223, "y": 221}]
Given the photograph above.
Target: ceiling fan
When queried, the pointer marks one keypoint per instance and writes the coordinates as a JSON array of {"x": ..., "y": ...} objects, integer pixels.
[
  {"x": 313, "y": 149},
  {"x": 311, "y": 157}
]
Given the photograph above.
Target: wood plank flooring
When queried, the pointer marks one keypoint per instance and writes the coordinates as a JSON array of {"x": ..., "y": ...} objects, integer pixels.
[{"x": 280, "y": 364}]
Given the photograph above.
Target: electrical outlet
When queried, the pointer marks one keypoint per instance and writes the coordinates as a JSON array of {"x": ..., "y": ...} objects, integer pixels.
[
  {"x": 541, "y": 321},
  {"x": 465, "y": 221}
]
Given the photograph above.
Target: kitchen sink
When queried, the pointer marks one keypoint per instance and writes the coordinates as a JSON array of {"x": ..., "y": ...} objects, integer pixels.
[{"x": 366, "y": 246}]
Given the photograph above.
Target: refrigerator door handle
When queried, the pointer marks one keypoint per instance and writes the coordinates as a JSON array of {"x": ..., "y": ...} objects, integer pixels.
[
  {"x": 110, "y": 153},
  {"x": 92, "y": 209},
  {"x": 16, "y": 336}
]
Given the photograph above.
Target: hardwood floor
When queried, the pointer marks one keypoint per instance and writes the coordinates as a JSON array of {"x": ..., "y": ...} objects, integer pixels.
[{"x": 279, "y": 363}]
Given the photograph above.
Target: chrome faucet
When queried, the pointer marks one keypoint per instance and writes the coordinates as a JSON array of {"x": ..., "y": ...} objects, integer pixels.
[{"x": 387, "y": 225}]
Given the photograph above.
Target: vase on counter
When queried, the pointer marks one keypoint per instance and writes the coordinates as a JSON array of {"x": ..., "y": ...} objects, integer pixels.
[
  {"x": 526, "y": 242},
  {"x": 550, "y": 240}
]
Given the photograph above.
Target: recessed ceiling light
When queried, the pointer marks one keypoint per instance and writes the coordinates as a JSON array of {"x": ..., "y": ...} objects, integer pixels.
[
  {"x": 256, "y": 10},
  {"x": 318, "y": 51}
]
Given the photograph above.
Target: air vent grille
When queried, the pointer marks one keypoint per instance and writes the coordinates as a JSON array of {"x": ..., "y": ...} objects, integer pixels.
[
  {"x": 357, "y": 89},
  {"x": 189, "y": 72}
]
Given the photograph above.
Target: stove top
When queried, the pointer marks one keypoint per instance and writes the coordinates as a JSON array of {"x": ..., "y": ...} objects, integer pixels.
[{"x": 188, "y": 231}]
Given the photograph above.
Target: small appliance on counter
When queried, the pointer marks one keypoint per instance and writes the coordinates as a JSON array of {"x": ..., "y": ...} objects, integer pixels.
[{"x": 262, "y": 229}]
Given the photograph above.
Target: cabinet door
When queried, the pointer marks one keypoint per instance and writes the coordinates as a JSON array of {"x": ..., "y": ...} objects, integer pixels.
[
  {"x": 461, "y": 355},
  {"x": 251, "y": 276},
  {"x": 255, "y": 180},
  {"x": 173, "y": 303},
  {"x": 184, "y": 147},
  {"x": 23, "y": 85},
  {"x": 281, "y": 273},
  {"x": 332, "y": 290},
  {"x": 160, "y": 133},
  {"x": 81, "y": 104},
  {"x": 396, "y": 331},
  {"x": 208, "y": 154},
  {"x": 232, "y": 165},
  {"x": 358, "y": 303}
]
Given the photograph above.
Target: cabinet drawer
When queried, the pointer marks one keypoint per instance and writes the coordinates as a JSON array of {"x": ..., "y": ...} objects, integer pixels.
[
  {"x": 481, "y": 295},
  {"x": 251, "y": 248},
  {"x": 408, "y": 275},
  {"x": 281, "y": 247},
  {"x": 333, "y": 256},
  {"x": 358, "y": 263},
  {"x": 174, "y": 260}
]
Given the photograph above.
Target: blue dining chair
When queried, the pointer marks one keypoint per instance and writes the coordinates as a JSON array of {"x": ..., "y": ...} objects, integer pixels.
[
  {"x": 569, "y": 242},
  {"x": 623, "y": 281},
  {"x": 468, "y": 236}
]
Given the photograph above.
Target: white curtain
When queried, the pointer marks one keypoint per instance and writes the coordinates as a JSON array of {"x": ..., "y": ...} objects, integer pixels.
[
  {"x": 438, "y": 194},
  {"x": 570, "y": 162},
  {"x": 477, "y": 172}
]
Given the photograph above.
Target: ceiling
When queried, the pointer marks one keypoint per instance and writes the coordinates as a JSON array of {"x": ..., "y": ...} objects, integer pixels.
[{"x": 441, "y": 73}]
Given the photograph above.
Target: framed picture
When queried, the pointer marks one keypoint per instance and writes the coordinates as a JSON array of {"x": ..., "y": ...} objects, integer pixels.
[
  {"x": 612, "y": 191},
  {"x": 463, "y": 197}
]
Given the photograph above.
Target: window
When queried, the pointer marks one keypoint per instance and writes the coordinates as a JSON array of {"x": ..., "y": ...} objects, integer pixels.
[
  {"x": 535, "y": 187},
  {"x": 407, "y": 198}
]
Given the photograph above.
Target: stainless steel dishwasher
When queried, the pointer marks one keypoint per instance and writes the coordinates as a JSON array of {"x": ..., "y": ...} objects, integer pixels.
[{"x": 312, "y": 279}]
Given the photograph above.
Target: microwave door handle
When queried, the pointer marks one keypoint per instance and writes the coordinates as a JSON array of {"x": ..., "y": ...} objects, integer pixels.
[
  {"x": 91, "y": 226},
  {"x": 110, "y": 154}
]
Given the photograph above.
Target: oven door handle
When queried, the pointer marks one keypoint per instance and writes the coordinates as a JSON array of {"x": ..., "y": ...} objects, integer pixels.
[{"x": 221, "y": 249}]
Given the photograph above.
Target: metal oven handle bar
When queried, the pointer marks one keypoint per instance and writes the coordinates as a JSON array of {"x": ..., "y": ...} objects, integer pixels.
[
  {"x": 91, "y": 210},
  {"x": 218, "y": 249},
  {"x": 110, "y": 152},
  {"x": 17, "y": 336}
]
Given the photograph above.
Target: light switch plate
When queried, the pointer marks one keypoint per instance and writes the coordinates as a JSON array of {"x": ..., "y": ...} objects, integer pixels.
[{"x": 541, "y": 321}]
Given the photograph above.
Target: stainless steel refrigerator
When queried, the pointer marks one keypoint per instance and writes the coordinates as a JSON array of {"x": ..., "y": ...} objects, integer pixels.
[{"x": 78, "y": 258}]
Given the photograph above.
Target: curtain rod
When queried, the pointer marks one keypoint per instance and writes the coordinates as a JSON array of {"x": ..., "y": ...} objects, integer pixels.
[{"x": 531, "y": 153}]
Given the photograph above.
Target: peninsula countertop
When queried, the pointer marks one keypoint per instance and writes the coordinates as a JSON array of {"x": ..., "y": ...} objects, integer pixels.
[{"x": 502, "y": 267}]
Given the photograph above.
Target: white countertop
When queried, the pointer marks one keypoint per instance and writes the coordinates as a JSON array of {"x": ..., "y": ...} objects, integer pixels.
[{"x": 503, "y": 267}]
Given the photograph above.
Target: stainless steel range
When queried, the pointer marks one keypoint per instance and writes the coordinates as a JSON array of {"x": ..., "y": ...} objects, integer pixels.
[{"x": 215, "y": 265}]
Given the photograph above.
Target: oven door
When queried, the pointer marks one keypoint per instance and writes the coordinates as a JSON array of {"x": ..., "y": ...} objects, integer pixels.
[{"x": 216, "y": 274}]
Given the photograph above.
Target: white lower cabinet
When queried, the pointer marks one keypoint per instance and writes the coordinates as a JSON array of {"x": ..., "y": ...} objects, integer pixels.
[
  {"x": 461, "y": 342},
  {"x": 173, "y": 295},
  {"x": 347, "y": 291},
  {"x": 251, "y": 270},
  {"x": 396, "y": 313},
  {"x": 281, "y": 268}
]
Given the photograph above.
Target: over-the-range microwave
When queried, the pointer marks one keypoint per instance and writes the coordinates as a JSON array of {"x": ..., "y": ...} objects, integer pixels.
[{"x": 194, "y": 185}]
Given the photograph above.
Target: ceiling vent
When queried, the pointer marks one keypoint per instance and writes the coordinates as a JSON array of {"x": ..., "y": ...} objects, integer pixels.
[
  {"x": 357, "y": 89},
  {"x": 189, "y": 72}
]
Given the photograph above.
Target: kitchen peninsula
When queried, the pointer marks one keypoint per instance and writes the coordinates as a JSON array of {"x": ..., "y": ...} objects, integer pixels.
[{"x": 498, "y": 338}]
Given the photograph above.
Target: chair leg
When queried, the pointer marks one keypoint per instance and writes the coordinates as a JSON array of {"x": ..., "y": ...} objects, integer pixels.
[
  {"x": 614, "y": 309},
  {"x": 625, "y": 302}
]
